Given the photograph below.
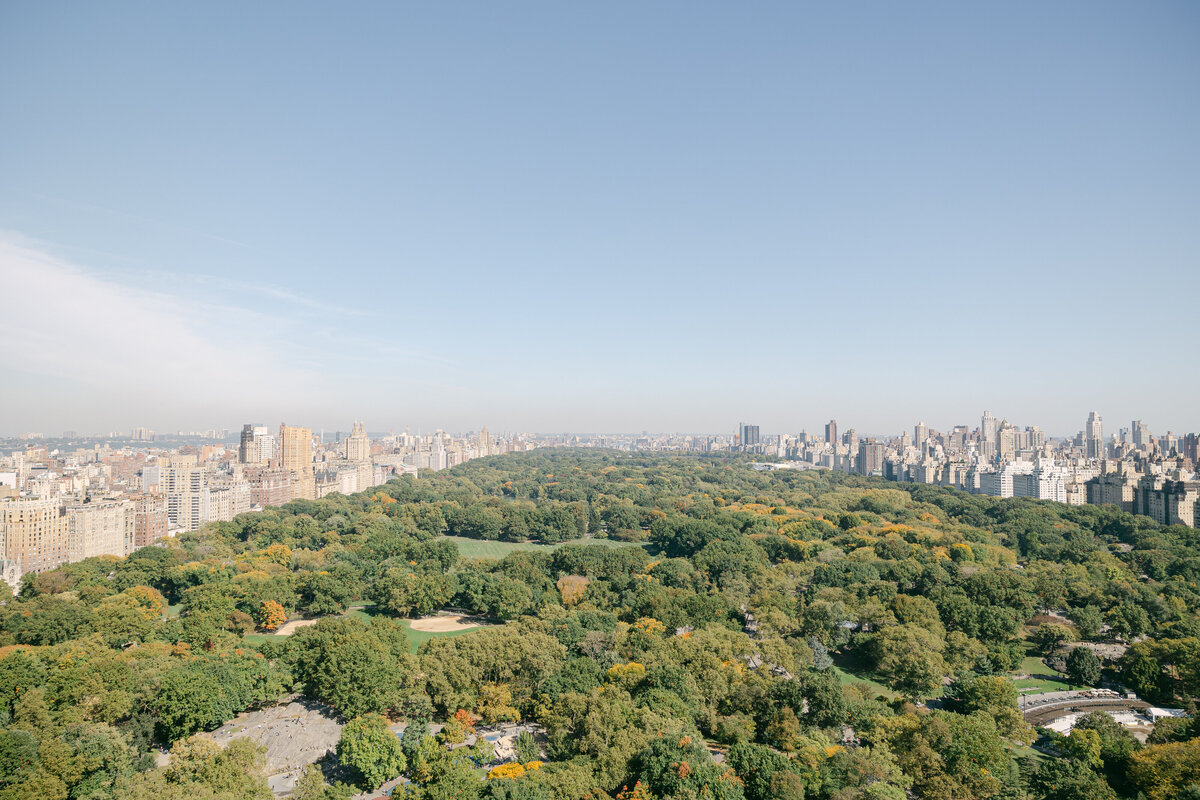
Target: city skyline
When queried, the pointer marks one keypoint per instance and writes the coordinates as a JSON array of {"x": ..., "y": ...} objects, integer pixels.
[
  {"x": 822, "y": 429},
  {"x": 1092, "y": 423},
  {"x": 393, "y": 212}
]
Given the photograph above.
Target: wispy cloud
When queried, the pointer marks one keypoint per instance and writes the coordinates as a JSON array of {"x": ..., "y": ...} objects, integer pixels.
[
  {"x": 189, "y": 348},
  {"x": 111, "y": 340}
]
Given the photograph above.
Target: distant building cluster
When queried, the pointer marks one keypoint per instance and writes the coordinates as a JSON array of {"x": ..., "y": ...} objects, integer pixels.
[
  {"x": 60, "y": 505},
  {"x": 1133, "y": 469}
]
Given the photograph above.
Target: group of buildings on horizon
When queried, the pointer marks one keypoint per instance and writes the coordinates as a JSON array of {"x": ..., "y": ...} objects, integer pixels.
[
  {"x": 1140, "y": 473},
  {"x": 59, "y": 506}
]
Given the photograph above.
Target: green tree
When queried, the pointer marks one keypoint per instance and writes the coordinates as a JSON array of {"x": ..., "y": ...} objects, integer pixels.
[
  {"x": 1083, "y": 666},
  {"x": 1088, "y": 621},
  {"x": 994, "y": 696},
  {"x": 910, "y": 658},
  {"x": 526, "y": 748},
  {"x": 371, "y": 750},
  {"x": 312, "y": 786},
  {"x": 1049, "y": 636},
  {"x": 404, "y": 592},
  {"x": 355, "y": 667}
]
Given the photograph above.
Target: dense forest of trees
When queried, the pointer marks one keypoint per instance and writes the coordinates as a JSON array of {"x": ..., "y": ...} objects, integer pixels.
[{"x": 835, "y": 637}]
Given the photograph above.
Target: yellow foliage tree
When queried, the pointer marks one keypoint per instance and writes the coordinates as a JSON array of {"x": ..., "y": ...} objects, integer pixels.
[
  {"x": 572, "y": 588},
  {"x": 149, "y": 598},
  {"x": 506, "y": 772},
  {"x": 626, "y": 675},
  {"x": 496, "y": 703}
]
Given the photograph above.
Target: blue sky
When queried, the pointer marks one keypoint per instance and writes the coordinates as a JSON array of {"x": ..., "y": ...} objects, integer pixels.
[{"x": 547, "y": 216}]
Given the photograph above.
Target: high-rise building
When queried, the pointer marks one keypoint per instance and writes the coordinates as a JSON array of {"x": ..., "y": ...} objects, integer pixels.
[
  {"x": 1142, "y": 438},
  {"x": 1094, "y": 436},
  {"x": 149, "y": 520},
  {"x": 295, "y": 456},
  {"x": 33, "y": 533},
  {"x": 257, "y": 445},
  {"x": 920, "y": 434},
  {"x": 989, "y": 427},
  {"x": 357, "y": 444},
  {"x": 247, "y": 450},
  {"x": 831, "y": 434},
  {"x": 870, "y": 457},
  {"x": 1191, "y": 448},
  {"x": 99, "y": 528},
  {"x": 748, "y": 435},
  {"x": 187, "y": 495}
]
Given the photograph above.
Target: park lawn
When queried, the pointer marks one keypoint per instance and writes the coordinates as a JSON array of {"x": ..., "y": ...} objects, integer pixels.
[
  {"x": 1043, "y": 677},
  {"x": 261, "y": 638},
  {"x": 847, "y": 678},
  {"x": 478, "y": 548},
  {"x": 173, "y": 610},
  {"x": 1018, "y": 750}
]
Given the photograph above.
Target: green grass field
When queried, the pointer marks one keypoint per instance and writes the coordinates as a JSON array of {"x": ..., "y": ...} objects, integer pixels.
[
  {"x": 1042, "y": 677},
  {"x": 846, "y": 678},
  {"x": 477, "y": 548}
]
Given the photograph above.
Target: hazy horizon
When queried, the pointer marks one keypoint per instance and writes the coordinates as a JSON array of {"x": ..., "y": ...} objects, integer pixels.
[{"x": 617, "y": 218}]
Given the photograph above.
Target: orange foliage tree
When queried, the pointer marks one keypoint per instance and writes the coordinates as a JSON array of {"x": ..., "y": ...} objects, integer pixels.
[{"x": 271, "y": 615}]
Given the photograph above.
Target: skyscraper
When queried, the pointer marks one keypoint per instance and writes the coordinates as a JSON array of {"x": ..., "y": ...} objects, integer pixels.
[
  {"x": 358, "y": 446},
  {"x": 246, "y": 450},
  {"x": 831, "y": 436},
  {"x": 920, "y": 434},
  {"x": 870, "y": 457},
  {"x": 295, "y": 456},
  {"x": 257, "y": 445},
  {"x": 748, "y": 434},
  {"x": 1094, "y": 436},
  {"x": 988, "y": 428}
]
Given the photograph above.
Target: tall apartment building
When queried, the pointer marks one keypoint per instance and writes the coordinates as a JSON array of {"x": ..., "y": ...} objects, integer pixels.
[
  {"x": 357, "y": 444},
  {"x": 870, "y": 457},
  {"x": 748, "y": 435},
  {"x": 295, "y": 456},
  {"x": 831, "y": 434},
  {"x": 1114, "y": 489},
  {"x": 920, "y": 433},
  {"x": 149, "y": 520},
  {"x": 186, "y": 493},
  {"x": 1094, "y": 437},
  {"x": 100, "y": 528},
  {"x": 1006, "y": 441},
  {"x": 1167, "y": 502},
  {"x": 1142, "y": 438},
  {"x": 33, "y": 533},
  {"x": 257, "y": 445},
  {"x": 989, "y": 427}
]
